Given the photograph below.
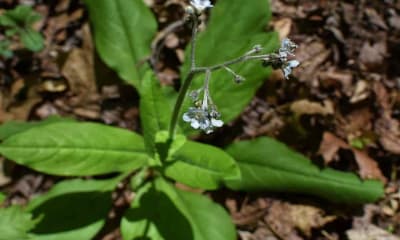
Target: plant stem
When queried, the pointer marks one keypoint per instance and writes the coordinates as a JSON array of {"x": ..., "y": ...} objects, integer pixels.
[
  {"x": 187, "y": 82},
  {"x": 195, "y": 70}
]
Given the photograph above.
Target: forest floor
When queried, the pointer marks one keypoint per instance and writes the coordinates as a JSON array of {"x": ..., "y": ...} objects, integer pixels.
[{"x": 342, "y": 110}]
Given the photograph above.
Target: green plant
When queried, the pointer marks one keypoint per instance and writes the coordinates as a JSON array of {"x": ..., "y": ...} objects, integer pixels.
[
  {"x": 18, "y": 23},
  {"x": 76, "y": 209}
]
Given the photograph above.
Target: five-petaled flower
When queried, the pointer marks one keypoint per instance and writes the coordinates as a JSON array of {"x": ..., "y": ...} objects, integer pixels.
[{"x": 201, "y": 5}]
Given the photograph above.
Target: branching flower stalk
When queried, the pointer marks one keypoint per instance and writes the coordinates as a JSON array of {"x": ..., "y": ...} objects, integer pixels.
[{"x": 204, "y": 114}]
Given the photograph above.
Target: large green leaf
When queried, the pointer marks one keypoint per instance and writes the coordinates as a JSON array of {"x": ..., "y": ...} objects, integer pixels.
[
  {"x": 13, "y": 127},
  {"x": 76, "y": 149},
  {"x": 234, "y": 28},
  {"x": 162, "y": 212},
  {"x": 123, "y": 30},
  {"x": 155, "y": 110},
  {"x": 268, "y": 165},
  {"x": 201, "y": 166},
  {"x": 73, "y": 209},
  {"x": 15, "y": 223}
]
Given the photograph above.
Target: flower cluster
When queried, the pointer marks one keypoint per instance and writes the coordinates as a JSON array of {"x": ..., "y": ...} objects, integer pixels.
[
  {"x": 205, "y": 115},
  {"x": 285, "y": 51},
  {"x": 205, "y": 119}
]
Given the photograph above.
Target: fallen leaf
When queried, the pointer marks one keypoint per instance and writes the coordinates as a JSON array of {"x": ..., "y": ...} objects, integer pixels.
[
  {"x": 79, "y": 69},
  {"x": 368, "y": 168},
  {"x": 386, "y": 127},
  {"x": 370, "y": 232},
  {"x": 372, "y": 56},
  {"x": 286, "y": 219},
  {"x": 283, "y": 27},
  {"x": 307, "y": 107}
]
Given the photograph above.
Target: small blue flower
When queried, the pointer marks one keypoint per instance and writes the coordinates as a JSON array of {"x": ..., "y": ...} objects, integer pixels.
[
  {"x": 201, "y": 5},
  {"x": 288, "y": 66}
]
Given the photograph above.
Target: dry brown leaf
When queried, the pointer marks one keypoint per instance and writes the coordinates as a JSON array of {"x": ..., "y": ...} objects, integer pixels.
[
  {"x": 79, "y": 69},
  {"x": 283, "y": 27},
  {"x": 389, "y": 132},
  {"x": 306, "y": 107},
  {"x": 361, "y": 92},
  {"x": 370, "y": 232},
  {"x": 368, "y": 168},
  {"x": 387, "y": 127},
  {"x": 372, "y": 56},
  {"x": 285, "y": 219}
]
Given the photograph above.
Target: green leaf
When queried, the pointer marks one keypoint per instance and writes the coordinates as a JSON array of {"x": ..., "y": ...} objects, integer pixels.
[
  {"x": 76, "y": 149},
  {"x": 72, "y": 209},
  {"x": 2, "y": 197},
  {"x": 194, "y": 216},
  {"x": 22, "y": 15},
  {"x": 268, "y": 165},
  {"x": 221, "y": 42},
  {"x": 31, "y": 39},
  {"x": 13, "y": 127},
  {"x": 202, "y": 166},
  {"x": 123, "y": 31},
  {"x": 15, "y": 223},
  {"x": 155, "y": 110},
  {"x": 5, "y": 48}
]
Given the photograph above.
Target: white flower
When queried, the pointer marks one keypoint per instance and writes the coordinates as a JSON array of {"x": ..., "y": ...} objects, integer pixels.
[
  {"x": 287, "y": 48},
  {"x": 288, "y": 66},
  {"x": 200, "y": 118},
  {"x": 201, "y": 5}
]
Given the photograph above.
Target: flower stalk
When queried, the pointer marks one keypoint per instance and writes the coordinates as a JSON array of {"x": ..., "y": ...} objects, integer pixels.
[{"x": 204, "y": 115}]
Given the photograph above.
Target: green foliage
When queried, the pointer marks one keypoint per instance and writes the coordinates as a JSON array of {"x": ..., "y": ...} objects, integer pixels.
[
  {"x": 72, "y": 209},
  {"x": 15, "y": 223},
  {"x": 13, "y": 127},
  {"x": 123, "y": 30},
  {"x": 2, "y": 197},
  {"x": 5, "y": 48},
  {"x": 155, "y": 110},
  {"x": 228, "y": 36},
  {"x": 19, "y": 22},
  {"x": 202, "y": 166},
  {"x": 268, "y": 165},
  {"x": 194, "y": 216},
  {"x": 76, "y": 209},
  {"x": 76, "y": 149}
]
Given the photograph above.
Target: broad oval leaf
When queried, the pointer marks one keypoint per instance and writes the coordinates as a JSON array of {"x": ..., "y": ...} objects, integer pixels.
[
  {"x": 76, "y": 149},
  {"x": 159, "y": 204},
  {"x": 268, "y": 165},
  {"x": 123, "y": 31},
  {"x": 72, "y": 209},
  {"x": 13, "y": 127},
  {"x": 201, "y": 166},
  {"x": 234, "y": 28}
]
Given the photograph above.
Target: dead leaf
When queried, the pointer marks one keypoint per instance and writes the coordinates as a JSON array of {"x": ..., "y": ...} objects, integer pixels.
[
  {"x": 285, "y": 219},
  {"x": 361, "y": 92},
  {"x": 283, "y": 27},
  {"x": 79, "y": 69},
  {"x": 389, "y": 131},
  {"x": 306, "y": 107},
  {"x": 372, "y": 56},
  {"x": 370, "y": 232},
  {"x": 368, "y": 168},
  {"x": 387, "y": 127}
]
